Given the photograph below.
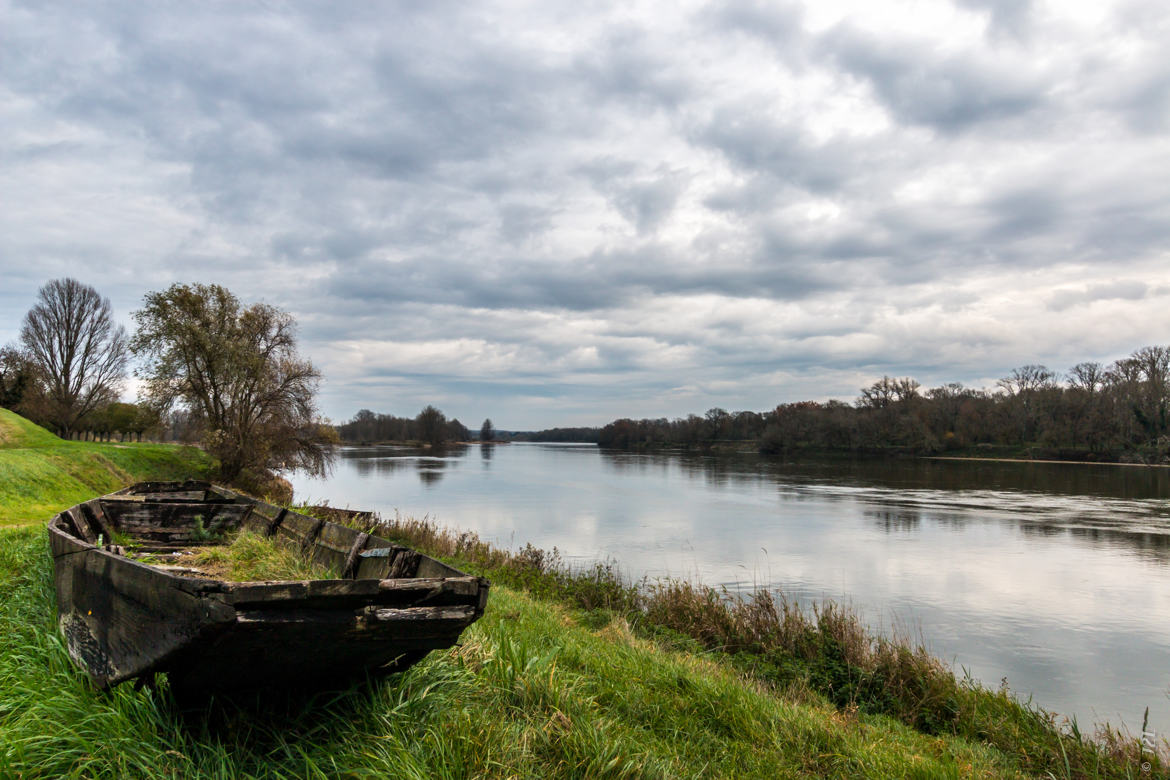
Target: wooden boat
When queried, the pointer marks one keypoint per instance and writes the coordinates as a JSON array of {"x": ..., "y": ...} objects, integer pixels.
[{"x": 124, "y": 619}]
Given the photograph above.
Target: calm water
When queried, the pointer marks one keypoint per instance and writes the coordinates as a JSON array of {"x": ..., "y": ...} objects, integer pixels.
[{"x": 1054, "y": 576}]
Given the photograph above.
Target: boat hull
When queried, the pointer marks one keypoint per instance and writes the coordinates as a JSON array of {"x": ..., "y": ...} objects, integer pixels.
[{"x": 123, "y": 619}]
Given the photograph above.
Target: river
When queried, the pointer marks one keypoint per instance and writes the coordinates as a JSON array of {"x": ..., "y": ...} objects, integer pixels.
[{"x": 1053, "y": 576}]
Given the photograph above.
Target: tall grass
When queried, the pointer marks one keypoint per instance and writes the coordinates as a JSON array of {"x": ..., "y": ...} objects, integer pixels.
[
  {"x": 532, "y": 691},
  {"x": 826, "y": 650}
]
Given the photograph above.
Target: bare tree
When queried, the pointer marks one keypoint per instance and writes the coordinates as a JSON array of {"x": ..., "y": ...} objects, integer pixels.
[
  {"x": 1026, "y": 379},
  {"x": 486, "y": 431},
  {"x": 1088, "y": 377},
  {"x": 80, "y": 353},
  {"x": 888, "y": 390}
]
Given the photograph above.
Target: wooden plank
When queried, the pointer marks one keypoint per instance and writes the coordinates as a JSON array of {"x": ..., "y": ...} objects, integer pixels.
[
  {"x": 311, "y": 537},
  {"x": 274, "y": 526},
  {"x": 81, "y": 525},
  {"x": 337, "y": 538},
  {"x": 370, "y": 564},
  {"x": 351, "y": 559},
  {"x": 421, "y": 614},
  {"x": 405, "y": 564},
  {"x": 96, "y": 514},
  {"x": 259, "y": 592},
  {"x": 168, "y": 522}
]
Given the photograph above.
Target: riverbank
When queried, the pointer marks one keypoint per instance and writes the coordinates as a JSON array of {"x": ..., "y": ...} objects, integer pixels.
[
  {"x": 826, "y": 653},
  {"x": 1042, "y": 460},
  {"x": 535, "y": 689},
  {"x": 567, "y": 675}
]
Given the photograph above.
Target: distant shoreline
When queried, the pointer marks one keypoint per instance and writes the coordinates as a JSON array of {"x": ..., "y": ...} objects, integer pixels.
[{"x": 1039, "y": 460}]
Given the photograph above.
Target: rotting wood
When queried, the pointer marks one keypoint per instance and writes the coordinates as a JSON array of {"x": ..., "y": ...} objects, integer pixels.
[
  {"x": 311, "y": 536},
  {"x": 405, "y": 564},
  {"x": 350, "y": 569},
  {"x": 83, "y": 527},
  {"x": 276, "y": 521},
  {"x": 126, "y": 619}
]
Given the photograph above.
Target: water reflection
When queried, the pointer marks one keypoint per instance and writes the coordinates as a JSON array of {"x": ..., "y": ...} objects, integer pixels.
[
  {"x": 1055, "y": 576},
  {"x": 386, "y": 461},
  {"x": 892, "y": 520}
]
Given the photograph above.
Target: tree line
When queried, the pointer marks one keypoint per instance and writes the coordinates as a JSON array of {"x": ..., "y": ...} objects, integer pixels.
[
  {"x": 430, "y": 426},
  {"x": 1119, "y": 411},
  {"x": 213, "y": 370}
]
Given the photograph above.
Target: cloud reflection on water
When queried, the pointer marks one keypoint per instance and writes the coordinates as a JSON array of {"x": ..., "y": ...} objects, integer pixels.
[{"x": 1057, "y": 577}]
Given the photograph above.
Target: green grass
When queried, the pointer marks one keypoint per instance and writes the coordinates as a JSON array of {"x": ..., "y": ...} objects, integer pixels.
[
  {"x": 41, "y": 474},
  {"x": 568, "y": 674},
  {"x": 534, "y": 690},
  {"x": 249, "y": 557},
  {"x": 826, "y": 650}
]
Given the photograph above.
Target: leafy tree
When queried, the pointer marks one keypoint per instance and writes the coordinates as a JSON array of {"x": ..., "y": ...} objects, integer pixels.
[
  {"x": 17, "y": 377},
  {"x": 236, "y": 369},
  {"x": 486, "y": 431},
  {"x": 80, "y": 354},
  {"x": 432, "y": 426},
  {"x": 457, "y": 431}
]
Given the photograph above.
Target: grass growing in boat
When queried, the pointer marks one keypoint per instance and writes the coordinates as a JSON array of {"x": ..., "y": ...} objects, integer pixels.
[
  {"x": 535, "y": 690},
  {"x": 249, "y": 557}
]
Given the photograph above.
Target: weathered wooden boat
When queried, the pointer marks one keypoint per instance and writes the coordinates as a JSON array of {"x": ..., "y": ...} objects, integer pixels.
[{"x": 124, "y": 619}]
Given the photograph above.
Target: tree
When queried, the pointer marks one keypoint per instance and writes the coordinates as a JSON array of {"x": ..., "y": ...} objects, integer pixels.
[
  {"x": 80, "y": 354},
  {"x": 432, "y": 426},
  {"x": 236, "y": 370},
  {"x": 1087, "y": 377},
  {"x": 457, "y": 431},
  {"x": 17, "y": 377},
  {"x": 486, "y": 431}
]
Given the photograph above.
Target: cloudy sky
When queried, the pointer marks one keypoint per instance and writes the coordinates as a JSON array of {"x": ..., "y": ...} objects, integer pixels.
[{"x": 561, "y": 213}]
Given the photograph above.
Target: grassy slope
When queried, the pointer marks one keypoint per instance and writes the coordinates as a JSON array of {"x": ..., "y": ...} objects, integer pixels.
[
  {"x": 532, "y": 691},
  {"x": 41, "y": 474}
]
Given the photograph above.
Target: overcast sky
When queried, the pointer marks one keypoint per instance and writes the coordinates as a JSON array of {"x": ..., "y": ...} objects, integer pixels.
[{"x": 559, "y": 213}]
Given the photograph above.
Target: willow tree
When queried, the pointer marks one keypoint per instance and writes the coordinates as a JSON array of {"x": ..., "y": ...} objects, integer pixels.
[{"x": 235, "y": 368}]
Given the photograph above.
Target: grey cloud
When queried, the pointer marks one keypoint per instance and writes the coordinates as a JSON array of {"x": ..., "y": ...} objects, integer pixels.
[
  {"x": 624, "y": 65},
  {"x": 777, "y": 24},
  {"x": 1005, "y": 17},
  {"x": 1124, "y": 289},
  {"x": 520, "y": 222},
  {"x": 781, "y": 150},
  {"x": 643, "y": 200},
  {"x": 1144, "y": 97},
  {"x": 1023, "y": 213},
  {"x": 596, "y": 282},
  {"x": 951, "y": 93}
]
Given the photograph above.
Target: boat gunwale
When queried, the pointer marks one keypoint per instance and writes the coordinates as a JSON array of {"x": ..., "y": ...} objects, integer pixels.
[{"x": 208, "y": 607}]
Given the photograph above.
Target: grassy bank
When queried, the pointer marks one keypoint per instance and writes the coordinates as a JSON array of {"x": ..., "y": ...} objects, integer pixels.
[
  {"x": 41, "y": 474},
  {"x": 826, "y": 652},
  {"x": 535, "y": 690}
]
